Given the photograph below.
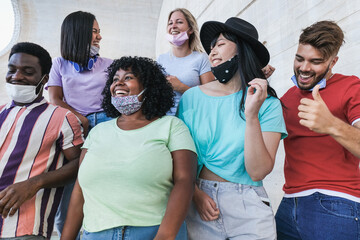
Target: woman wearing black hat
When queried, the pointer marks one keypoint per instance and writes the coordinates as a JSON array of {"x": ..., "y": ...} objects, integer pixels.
[{"x": 236, "y": 123}]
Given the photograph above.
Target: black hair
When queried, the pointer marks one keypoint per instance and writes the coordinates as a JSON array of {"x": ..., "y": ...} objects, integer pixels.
[
  {"x": 158, "y": 96},
  {"x": 76, "y": 35},
  {"x": 249, "y": 65},
  {"x": 34, "y": 50}
]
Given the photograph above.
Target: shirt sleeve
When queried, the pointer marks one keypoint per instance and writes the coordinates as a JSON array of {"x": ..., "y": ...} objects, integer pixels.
[
  {"x": 55, "y": 78},
  {"x": 271, "y": 117},
  {"x": 351, "y": 102},
  {"x": 72, "y": 131},
  {"x": 89, "y": 137},
  {"x": 183, "y": 106},
  {"x": 180, "y": 109},
  {"x": 180, "y": 138},
  {"x": 205, "y": 64}
]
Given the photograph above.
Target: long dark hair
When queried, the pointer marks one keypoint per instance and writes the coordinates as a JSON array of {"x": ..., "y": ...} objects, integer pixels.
[
  {"x": 249, "y": 66},
  {"x": 76, "y": 35}
]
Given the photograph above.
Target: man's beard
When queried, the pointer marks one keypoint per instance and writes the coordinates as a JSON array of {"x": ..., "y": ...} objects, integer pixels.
[{"x": 317, "y": 79}]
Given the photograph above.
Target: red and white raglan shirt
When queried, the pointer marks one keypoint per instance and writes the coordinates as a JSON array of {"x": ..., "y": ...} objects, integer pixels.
[
  {"x": 32, "y": 138},
  {"x": 315, "y": 162}
]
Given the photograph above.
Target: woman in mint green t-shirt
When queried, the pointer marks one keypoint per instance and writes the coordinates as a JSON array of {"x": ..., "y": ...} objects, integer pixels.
[
  {"x": 137, "y": 171},
  {"x": 236, "y": 123}
]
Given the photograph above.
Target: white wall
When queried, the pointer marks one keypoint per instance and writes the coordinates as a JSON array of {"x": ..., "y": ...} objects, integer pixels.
[{"x": 127, "y": 27}]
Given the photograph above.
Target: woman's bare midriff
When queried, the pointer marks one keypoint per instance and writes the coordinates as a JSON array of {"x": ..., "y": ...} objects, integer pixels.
[{"x": 209, "y": 175}]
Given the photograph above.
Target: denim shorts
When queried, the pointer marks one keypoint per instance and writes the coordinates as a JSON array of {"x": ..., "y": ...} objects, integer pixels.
[
  {"x": 130, "y": 233},
  {"x": 245, "y": 213},
  {"x": 318, "y": 216}
]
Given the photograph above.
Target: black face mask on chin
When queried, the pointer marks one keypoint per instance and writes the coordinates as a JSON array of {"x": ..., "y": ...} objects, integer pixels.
[{"x": 225, "y": 71}]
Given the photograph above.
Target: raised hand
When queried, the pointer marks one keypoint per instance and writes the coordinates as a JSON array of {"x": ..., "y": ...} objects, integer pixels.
[
  {"x": 314, "y": 114},
  {"x": 256, "y": 95},
  {"x": 268, "y": 70}
]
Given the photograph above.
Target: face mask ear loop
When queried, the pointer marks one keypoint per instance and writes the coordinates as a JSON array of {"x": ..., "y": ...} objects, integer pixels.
[
  {"x": 40, "y": 82},
  {"x": 141, "y": 94}
]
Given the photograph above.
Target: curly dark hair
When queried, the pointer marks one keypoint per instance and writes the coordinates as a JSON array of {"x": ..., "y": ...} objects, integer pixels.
[{"x": 159, "y": 95}]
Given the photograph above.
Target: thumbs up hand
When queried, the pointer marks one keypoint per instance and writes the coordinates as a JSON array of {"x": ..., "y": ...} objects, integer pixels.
[{"x": 314, "y": 114}]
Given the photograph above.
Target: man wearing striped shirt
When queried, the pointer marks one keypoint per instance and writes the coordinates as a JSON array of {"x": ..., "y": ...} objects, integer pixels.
[{"x": 36, "y": 140}]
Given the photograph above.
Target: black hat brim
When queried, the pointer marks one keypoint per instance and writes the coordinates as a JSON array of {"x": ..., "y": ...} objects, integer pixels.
[{"x": 212, "y": 29}]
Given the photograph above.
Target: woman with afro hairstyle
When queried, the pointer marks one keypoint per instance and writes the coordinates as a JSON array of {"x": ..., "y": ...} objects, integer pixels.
[{"x": 137, "y": 171}]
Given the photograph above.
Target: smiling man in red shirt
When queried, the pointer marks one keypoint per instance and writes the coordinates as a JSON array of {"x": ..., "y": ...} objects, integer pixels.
[{"x": 322, "y": 115}]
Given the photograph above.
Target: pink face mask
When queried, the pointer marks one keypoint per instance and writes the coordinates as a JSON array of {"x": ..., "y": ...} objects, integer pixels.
[{"x": 178, "y": 39}]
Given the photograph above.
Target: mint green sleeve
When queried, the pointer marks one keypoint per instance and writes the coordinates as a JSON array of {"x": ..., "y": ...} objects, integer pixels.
[
  {"x": 88, "y": 139},
  {"x": 180, "y": 138}
]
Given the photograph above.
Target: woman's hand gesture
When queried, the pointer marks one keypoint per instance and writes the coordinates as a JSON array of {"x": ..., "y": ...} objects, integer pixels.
[{"x": 256, "y": 95}]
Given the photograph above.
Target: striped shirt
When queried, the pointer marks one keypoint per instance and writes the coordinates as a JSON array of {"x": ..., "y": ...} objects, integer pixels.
[{"x": 32, "y": 138}]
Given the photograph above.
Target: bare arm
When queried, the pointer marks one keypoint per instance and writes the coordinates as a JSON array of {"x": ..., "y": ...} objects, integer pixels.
[
  {"x": 260, "y": 150},
  {"x": 260, "y": 147},
  {"x": 206, "y": 77},
  {"x": 182, "y": 87},
  {"x": 75, "y": 212},
  {"x": 12, "y": 197},
  {"x": 184, "y": 175},
  {"x": 177, "y": 84},
  {"x": 56, "y": 96},
  {"x": 315, "y": 115},
  {"x": 348, "y": 136}
]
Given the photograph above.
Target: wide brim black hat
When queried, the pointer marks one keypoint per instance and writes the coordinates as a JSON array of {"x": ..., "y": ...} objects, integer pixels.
[{"x": 241, "y": 28}]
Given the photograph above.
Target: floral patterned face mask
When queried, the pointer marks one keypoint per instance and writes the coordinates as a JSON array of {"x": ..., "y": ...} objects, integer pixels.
[{"x": 127, "y": 105}]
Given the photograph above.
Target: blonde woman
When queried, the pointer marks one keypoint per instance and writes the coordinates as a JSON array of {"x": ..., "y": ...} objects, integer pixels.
[{"x": 186, "y": 64}]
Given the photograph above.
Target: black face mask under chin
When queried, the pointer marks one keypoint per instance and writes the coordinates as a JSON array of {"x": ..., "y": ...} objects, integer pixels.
[{"x": 225, "y": 71}]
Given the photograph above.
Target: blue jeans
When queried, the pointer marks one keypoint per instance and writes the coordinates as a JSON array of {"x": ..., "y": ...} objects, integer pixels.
[
  {"x": 318, "y": 216},
  {"x": 96, "y": 118},
  {"x": 62, "y": 209},
  {"x": 131, "y": 233}
]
